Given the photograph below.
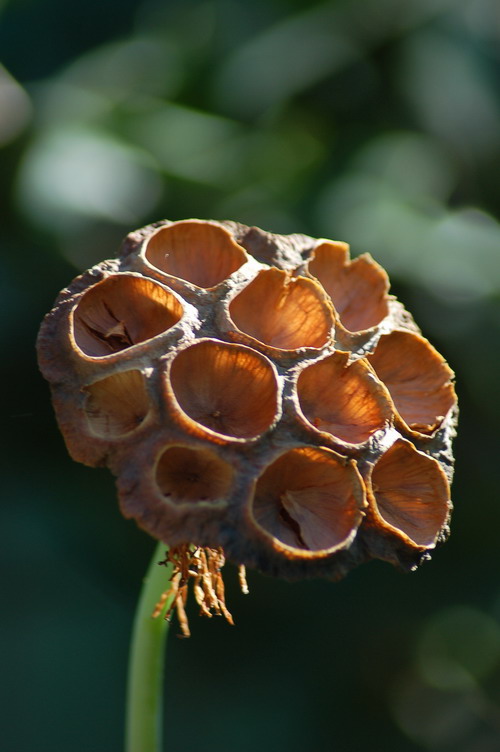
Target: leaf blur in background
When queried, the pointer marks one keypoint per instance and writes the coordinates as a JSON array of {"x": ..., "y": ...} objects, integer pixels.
[{"x": 371, "y": 121}]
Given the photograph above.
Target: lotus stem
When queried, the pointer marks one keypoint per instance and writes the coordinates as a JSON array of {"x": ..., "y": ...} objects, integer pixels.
[{"x": 144, "y": 710}]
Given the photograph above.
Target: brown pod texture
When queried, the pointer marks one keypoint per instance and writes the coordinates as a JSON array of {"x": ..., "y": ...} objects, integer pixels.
[{"x": 257, "y": 395}]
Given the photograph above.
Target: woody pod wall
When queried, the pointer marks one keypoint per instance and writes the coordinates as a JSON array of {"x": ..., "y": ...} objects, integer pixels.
[{"x": 258, "y": 393}]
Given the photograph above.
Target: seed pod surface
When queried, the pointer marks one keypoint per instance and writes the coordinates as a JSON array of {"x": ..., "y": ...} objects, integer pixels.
[{"x": 256, "y": 393}]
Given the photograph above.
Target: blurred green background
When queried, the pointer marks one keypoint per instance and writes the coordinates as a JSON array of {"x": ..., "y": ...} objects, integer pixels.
[{"x": 371, "y": 121}]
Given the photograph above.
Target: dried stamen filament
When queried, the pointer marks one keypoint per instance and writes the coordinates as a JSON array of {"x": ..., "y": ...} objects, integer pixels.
[{"x": 203, "y": 567}]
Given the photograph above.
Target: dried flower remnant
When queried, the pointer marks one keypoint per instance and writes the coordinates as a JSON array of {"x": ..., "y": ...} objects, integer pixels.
[
  {"x": 202, "y": 567},
  {"x": 260, "y": 398}
]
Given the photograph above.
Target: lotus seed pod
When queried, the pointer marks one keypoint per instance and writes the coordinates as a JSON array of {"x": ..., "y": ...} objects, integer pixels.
[{"x": 255, "y": 394}]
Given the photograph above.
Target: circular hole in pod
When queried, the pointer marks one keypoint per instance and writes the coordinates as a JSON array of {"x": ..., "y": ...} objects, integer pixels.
[
  {"x": 199, "y": 252},
  {"x": 417, "y": 377},
  {"x": 283, "y": 312},
  {"x": 358, "y": 288},
  {"x": 346, "y": 401},
  {"x": 411, "y": 493},
  {"x": 116, "y": 405},
  {"x": 229, "y": 389},
  {"x": 309, "y": 499},
  {"x": 122, "y": 311},
  {"x": 193, "y": 476}
]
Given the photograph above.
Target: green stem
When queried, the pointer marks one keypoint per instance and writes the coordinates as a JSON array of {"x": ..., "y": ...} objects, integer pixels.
[{"x": 144, "y": 717}]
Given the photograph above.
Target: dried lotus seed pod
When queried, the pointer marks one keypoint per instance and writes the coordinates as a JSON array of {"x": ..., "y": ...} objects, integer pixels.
[{"x": 257, "y": 396}]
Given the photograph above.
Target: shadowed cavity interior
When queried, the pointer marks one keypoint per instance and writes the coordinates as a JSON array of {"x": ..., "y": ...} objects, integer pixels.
[
  {"x": 227, "y": 388},
  {"x": 117, "y": 404},
  {"x": 417, "y": 378},
  {"x": 186, "y": 475},
  {"x": 309, "y": 499},
  {"x": 282, "y": 311},
  {"x": 357, "y": 288},
  {"x": 198, "y": 252},
  {"x": 122, "y": 311},
  {"x": 411, "y": 492},
  {"x": 343, "y": 400}
]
